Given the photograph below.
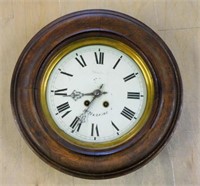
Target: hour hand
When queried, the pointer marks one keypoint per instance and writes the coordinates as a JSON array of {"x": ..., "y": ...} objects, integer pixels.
[
  {"x": 77, "y": 95},
  {"x": 94, "y": 93}
]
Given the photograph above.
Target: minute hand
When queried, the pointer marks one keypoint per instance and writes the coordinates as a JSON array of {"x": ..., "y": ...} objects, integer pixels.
[{"x": 96, "y": 93}]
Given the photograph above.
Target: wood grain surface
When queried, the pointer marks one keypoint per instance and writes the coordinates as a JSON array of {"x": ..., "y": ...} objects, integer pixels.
[{"x": 178, "y": 24}]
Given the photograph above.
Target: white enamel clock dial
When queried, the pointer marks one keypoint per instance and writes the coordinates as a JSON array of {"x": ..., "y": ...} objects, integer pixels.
[{"x": 96, "y": 93}]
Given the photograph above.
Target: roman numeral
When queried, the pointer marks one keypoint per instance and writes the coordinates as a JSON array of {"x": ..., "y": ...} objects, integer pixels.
[
  {"x": 63, "y": 107},
  {"x": 127, "y": 113},
  {"x": 131, "y": 76},
  {"x": 115, "y": 127},
  {"x": 80, "y": 60},
  {"x": 76, "y": 125},
  {"x": 134, "y": 95},
  {"x": 65, "y": 73},
  {"x": 60, "y": 92},
  {"x": 117, "y": 62},
  {"x": 99, "y": 57},
  {"x": 94, "y": 131}
]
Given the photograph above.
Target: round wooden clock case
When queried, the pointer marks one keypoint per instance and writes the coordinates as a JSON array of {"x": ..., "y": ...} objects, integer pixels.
[{"x": 96, "y": 160}]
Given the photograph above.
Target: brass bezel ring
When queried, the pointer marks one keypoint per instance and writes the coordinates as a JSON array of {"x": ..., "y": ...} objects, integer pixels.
[{"x": 125, "y": 49}]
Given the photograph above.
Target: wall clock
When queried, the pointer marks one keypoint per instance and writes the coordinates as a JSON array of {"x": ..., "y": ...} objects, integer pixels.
[{"x": 96, "y": 94}]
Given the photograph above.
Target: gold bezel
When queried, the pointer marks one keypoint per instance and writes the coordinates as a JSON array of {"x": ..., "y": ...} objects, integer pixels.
[{"x": 125, "y": 49}]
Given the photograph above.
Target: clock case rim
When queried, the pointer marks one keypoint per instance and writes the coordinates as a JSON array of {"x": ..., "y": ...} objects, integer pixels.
[{"x": 130, "y": 163}]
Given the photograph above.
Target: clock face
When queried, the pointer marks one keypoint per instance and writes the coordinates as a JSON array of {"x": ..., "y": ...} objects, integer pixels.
[
  {"x": 96, "y": 93},
  {"x": 88, "y": 117}
]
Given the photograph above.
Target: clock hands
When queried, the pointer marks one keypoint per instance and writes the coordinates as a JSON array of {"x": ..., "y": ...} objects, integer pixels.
[
  {"x": 77, "y": 94},
  {"x": 97, "y": 93}
]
